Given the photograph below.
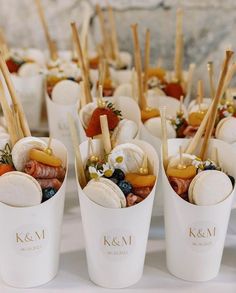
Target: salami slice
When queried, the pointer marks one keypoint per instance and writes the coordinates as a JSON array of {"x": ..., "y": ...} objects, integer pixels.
[
  {"x": 38, "y": 170},
  {"x": 46, "y": 183},
  {"x": 133, "y": 199},
  {"x": 179, "y": 185}
]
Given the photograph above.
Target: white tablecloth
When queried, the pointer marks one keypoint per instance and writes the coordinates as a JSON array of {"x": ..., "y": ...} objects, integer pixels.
[{"x": 73, "y": 275}]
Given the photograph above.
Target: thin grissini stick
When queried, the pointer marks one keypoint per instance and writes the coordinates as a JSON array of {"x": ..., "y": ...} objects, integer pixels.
[
  {"x": 164, "y": 137},
  {"x": 85, "y": 30},
  {"x": 181, "y": 112},
  {"x": 78, "y": 157},
  {"x": 114, "y": 38},
  {"x": 179, "y": 45},
  {"x": 105, "y": 134},
  {"x": 51, "y": 45},
  {"x": 218, "y": 96},
  {"x": 229, "y": 77},
  {"x": 17, "y": 123},
  {"x": 15, "y": 101},
  {"x": 82, "y": 64},
  {"x": 8, "y": 115},
  {"x": 195, "y": 141},
  {"x": 138, "y": 67},
  {"x": 3, "y": 44},
  {"x": 134, "y": 85},
  {"x": 191, "y": 70},
  {"x": 210, "y": 68},
  {"x": 200, "y": 93},
  {"x": 105, "y": 37},
  {"x": 83, "y": 101},
  {"x": 147, "y": 60}
]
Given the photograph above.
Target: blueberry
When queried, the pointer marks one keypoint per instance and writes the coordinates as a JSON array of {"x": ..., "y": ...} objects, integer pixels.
[
  {"x": 232, "y": 180},
  {"x": 113, "y": 180},
  {"x": 48, "y": 193},
  {"x": 71, "y": 78},
  {"x": 210, "y": 167},
  {"x": 118, "y": 174},
  {"x": 125, "y": 186}
]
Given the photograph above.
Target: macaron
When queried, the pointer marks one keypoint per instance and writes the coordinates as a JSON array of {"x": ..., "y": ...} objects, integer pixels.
[
  {"x": 127, "y": 156},
  {"x": 125, "y": 130},
  {"x": 18, "y": 189},
  {"x": 20, "y": 151},
  {"x": 29, "y": 69},
  {"x": 86, "y": 112},
  {"x": 209, "y": 188},
  {"x": 124, "y": 89},
  {"x": 66, "y": 92},
  {"x": 105, "y": 193},
  {"x": 154, "y": 127},
  {"x": 226, "y": 130}
]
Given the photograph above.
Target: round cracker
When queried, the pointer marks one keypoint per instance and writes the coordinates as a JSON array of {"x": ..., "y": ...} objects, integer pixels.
[{"x": 66, "y": 92}]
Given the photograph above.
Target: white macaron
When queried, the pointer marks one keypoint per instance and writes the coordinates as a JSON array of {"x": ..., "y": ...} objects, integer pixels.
[
  {"x": 86, "y": 112},
  {"x": 209, "y": 188},
  {"x": 105, "y": 193},
  {"x": 154, "y": 127},
  {"x": 124, "y": 89},
  {"x": 18, "y": 189},
  {"x": 128, "y": 157},
  {"x": 29, "y": 69},
  {"x": 20, "y": 151},
  {"x": 226, "y": 130},
  {"x": 125, "y": 130},
  {"x": 66, "y": 92}
]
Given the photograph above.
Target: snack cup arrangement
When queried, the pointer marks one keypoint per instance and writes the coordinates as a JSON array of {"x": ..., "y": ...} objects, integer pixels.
[
  {"x": 197, "y": 231},
  {"x": 64, "y": 100},
  {"x": 30, "y": 235},
  {"x": 116, "y": 238},
  {"x": 27, "y": 67}
]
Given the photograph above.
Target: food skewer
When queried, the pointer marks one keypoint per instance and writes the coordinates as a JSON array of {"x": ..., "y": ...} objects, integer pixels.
[
  {"x": 51, "y": 45},
  {"x": 164, "y": 137},
  {"x": 147, "y": 61},
  {"x": 200, "y": 92}
]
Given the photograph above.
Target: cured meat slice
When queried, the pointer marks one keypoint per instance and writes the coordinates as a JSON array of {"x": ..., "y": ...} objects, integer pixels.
[
  {"x": 179, "y": 185},
  {"x": 38, "y": 170},
  {"x": 46, "y": 183}
]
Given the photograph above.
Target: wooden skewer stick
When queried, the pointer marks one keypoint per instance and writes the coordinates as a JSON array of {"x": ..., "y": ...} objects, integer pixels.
[
  {"x": 181, "y": 164},
  {"x": 164, "y": 138},
  {"x": 181, "y": 112},
  {"x": 147, "y": 60},
  {"x": 218, "y": 95},
  {"x": 78, "y": 157},
  {"x": 82, "y": 64},
  {"x": 3, "y": 44},
  {"x": 200, "y": 92},
  {"x": 51, "y": 46},
  {"x": 144, "y": 168},
  {"x": 134, "y": 85},
  {"x": 114, "y": 38},
  {"x": 179, "y": 45},
  {"x": 210, "y": 68},
  {"x": 105, "y": 134},
  {"x": 138, "y": 67},
  {"x": 15, "y": 101}
]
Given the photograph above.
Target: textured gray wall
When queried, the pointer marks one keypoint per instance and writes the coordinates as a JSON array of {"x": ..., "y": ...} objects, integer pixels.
[{"x": 209, "y": 26}]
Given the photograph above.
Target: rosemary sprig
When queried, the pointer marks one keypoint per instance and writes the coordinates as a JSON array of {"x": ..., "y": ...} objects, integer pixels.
[{"x": 5, "y": 155}]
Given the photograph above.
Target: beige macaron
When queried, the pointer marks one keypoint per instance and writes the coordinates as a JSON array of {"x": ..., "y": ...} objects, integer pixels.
[
  {"x": 226, "y": 130},
  {"x": 153, "y": 125},
  {"x": 105, "y": 193},
  {"x": 209, "y": 188}
]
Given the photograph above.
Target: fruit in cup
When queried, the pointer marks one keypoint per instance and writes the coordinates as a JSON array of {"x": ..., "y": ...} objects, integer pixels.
[
  {"x": 44, "y": 158},
  {"x": 125, "y": 186},
  {"x": 195, "y": 118},
  {"x": 138, "y": 180},
  {"x": 174, "y": 89},
  {"x": 186, "y": 172},
  {"x": 149, "y": 113}
]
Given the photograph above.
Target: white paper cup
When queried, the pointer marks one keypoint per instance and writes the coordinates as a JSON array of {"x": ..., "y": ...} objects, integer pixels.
[
  {"x": 30, "y": 237},
  {"x": 116, "y": 239},
  {"x": 31, "y": 93},
  {"x": 195, "y": 235},
  {"x": 129, "y": 110},
  {"x": 59, "y": 125}
]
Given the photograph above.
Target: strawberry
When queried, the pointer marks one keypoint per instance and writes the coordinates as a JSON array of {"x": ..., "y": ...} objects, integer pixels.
[
  {"x": 113, "y": 118},
  {"x": 13, "y": 66},
  {"x": 174, "y": 89}
]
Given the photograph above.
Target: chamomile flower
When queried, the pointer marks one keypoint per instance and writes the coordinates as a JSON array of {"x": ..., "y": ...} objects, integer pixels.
[
  {"x": 107, "y": 170},
  {"x": 95, "y": 173}
]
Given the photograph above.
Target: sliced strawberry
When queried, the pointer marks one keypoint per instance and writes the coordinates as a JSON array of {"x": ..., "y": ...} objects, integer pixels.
[
  {"x": 174, "y": 90},
  {"x": 94, "y": 127}
]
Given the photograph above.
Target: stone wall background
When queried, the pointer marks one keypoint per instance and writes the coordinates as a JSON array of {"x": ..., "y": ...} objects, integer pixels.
[{"x": 209, "y": 26}]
